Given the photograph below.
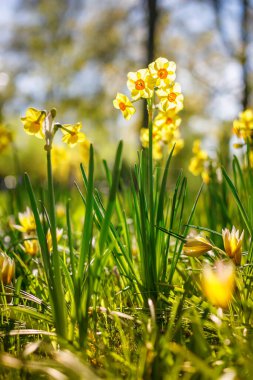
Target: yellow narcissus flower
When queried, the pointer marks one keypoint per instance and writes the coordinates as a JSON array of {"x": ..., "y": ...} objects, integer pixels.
[
  {"x": 122, "y": 103},
  {"x": 171, "y": 98},
  {"x": 218, "y": 283},
  {"x": 33, "y": 122},
  {"x": 31, "y": 247},
  {"x": 27, "y": 222},
  {"x": 167, "y": 119},
  {"x": 233, "y": 244},
  {"x": 141, "y": 84},
  {"x": 7, "y": 268},
  {"x": 5, "y": 137},
  {"x": 163, "y": 71},
  {"x": 72, "y": 134},
  {"x": 197, "y": 246},
  {"x": 243, "y": 127}
]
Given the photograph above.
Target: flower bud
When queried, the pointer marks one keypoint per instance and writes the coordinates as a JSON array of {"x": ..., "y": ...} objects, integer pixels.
[
  {"x": 7, "y": 268},
  {"x": 196, "y": 246}
]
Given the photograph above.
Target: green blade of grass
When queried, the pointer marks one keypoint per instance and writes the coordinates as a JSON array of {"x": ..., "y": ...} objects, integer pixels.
[{"x": 112, "y": 197}]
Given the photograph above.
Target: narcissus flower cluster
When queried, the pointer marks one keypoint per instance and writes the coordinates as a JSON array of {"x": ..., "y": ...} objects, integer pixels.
[
  {"x": 243, "y": 127},
  {"x": 157, "y": 85},
  {"x": 41, "y": 124}
]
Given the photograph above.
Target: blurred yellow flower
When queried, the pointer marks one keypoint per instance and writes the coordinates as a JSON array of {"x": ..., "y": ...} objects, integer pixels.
[
  {"x": 5, "y": 137},
  {"x": 163, "y": 71},
  {"x": 61, "y": 162},
  {"x": 243, "y": 127},
  {"x": 33, "y": 122},
  {"x": 218, "y": 283},
  {"x": 122, "y": 103},
  {"x": 31, "y": 247},
  {"x": 233, "y": 244},
  {"x": 72, "y": 134},
  {"x": 141, "y": 84},
  {"x": 199, "y": 161},
  {"x": 59, "y": 233},
  {"x": 167, "y": 119},
  {"x": 7, "y": 268},
  {"x": 27, "y": 222},
  {"x": 196, "y": 246},
  {"x": 178, "y": 142},
  {"x": 157, "y": 151},
  {"x": 171, "y": 98},
  {"x": 144, "y": 136}
]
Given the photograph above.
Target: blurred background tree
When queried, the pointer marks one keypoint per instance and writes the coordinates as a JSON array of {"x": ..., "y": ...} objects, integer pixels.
[{"x": 74, "y": 55}]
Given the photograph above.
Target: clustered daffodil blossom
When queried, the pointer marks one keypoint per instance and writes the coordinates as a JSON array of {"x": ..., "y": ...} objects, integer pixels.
[
  {"x": 41, "y": 124},
  {"x": 164, "y": 98},
  {"x": 243, "y": 127},
  {"x": 199, "y": 162}
]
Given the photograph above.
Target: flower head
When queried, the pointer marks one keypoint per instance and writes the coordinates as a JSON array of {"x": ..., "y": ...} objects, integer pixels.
[
  {"x": 72, "y": 134},
  {"x": 27, "y": 222},
  {"x": 163, "y": 71},
  {"x": 218, "y": 283},
  {"x": 33, "y": 122},
  {"x": 122, "y": 103},
  {"x": 31, "y": 247},
  {"x": 171, "y": 98},
  {"x": 7, "y": 268},
  {"x": 141, "y": 84},
  {"x": 167, "y": 120},
  {"x": 196, "y": 246},
  {"x": 233, "y": 244}
]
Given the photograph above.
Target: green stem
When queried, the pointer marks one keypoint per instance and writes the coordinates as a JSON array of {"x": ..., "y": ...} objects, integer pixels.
[
  {"x": 60, "y": 308},
  {"x": 151, "y": 199}
]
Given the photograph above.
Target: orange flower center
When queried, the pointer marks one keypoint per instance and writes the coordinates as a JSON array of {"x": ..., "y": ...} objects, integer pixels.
[
  {"x": 162, "y": 73},
  {"x": 140, "y": 84},
  {"x": 172, "y": 97},
  {"x": 73, "y": 138},
  {"x": 122, "y": 106},
  {"x": 35, "y": 127},
  {"x": 169, "y": 120}
]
